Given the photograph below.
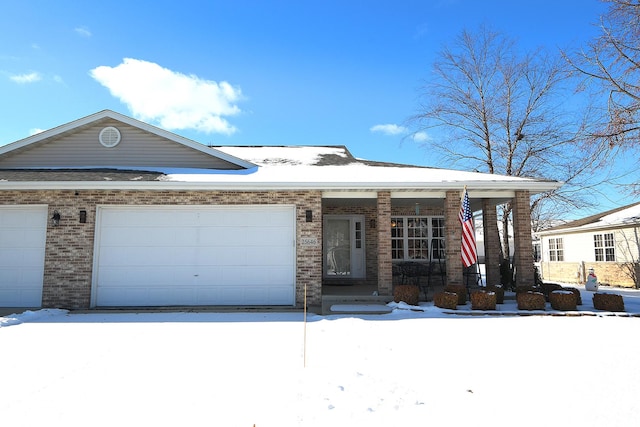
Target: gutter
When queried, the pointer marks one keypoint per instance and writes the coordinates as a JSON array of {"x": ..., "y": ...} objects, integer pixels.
[{"x": 534, "y": 187}]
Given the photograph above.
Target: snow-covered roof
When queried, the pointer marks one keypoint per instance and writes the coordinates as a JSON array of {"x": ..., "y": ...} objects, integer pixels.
[
  {"x": 324, "y": 168},
  {"x": 618, "y": 217},
  {"x": 334, "y": 167}
]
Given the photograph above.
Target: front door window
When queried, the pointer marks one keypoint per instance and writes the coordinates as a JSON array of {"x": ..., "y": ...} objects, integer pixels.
[{"x": 344, "y": 251}]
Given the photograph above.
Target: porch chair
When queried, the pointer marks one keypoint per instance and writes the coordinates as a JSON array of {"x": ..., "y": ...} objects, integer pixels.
[{"x": 472, "y": 279}]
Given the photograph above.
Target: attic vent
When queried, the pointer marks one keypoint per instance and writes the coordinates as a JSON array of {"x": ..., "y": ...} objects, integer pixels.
[{"x": 109, "y": 137}]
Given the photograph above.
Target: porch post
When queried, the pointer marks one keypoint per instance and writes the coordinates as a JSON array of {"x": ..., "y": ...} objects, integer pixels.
[
  {"x": 385, "y": 284},
  {"x": 522, "y": 238},
  {"x": 453, "y": 238},
  {"x": 491, "y": 242}
]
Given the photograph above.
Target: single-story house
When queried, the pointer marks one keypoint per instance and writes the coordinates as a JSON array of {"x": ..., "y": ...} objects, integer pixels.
[
  {"x": 608, "y": 242},
  {"x": 109, "y": 211}
]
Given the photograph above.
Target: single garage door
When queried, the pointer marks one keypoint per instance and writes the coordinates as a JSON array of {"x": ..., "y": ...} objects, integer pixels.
[
  {"x": 195, "y": 255},
  {"x": 23, "y": 233}
]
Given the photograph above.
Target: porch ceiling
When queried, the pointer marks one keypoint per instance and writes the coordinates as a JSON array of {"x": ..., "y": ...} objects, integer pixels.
[{"x": 424, "y": 202}]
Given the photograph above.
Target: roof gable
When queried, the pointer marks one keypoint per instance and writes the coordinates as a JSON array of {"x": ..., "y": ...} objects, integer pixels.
[
  {"x": 624, "y": 215},
  {"x": 76, "y": 145}
]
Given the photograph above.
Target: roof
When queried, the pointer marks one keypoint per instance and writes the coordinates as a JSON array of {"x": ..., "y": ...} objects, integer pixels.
[
  {"x": 628, "y": 215},
  {"x": 323, "y": 168}
]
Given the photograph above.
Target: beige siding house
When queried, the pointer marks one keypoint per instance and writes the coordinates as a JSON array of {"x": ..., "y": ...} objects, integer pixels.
[
  {"x": 108, "y": 211},
  {"x": 608, "y": 242}
]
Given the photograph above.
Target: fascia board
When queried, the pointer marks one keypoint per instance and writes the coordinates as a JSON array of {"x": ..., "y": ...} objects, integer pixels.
[{"x": 480, "y": 188}]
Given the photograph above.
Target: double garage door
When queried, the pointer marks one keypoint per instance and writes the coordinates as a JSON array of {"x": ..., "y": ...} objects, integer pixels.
[
  {"x": 195, "y": 255},
  {"x": 23, "y": 232}
]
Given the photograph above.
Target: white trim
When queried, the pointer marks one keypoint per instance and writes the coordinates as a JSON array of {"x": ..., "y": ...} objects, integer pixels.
[{"x": 479, "y": 189}]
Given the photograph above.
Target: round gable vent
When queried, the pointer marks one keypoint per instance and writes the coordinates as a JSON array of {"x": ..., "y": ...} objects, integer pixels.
[{"x": 109, "y": 137}]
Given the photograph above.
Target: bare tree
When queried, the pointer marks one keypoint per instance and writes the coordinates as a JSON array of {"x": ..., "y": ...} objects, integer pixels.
[
  {"x": 498, "y": 110},
  {"x": 612, "y": 61}
]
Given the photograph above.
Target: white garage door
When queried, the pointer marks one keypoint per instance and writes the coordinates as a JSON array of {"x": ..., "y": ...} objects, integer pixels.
[
  {"x": 23, "y": 233},
  {"x": 196, "y": 255}
]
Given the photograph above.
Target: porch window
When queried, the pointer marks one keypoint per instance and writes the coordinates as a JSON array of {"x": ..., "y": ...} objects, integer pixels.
[
  {"x": 414, "y": 237},
  {"x": 604, "y": 245},
  {"x": 556, "y": 249}
]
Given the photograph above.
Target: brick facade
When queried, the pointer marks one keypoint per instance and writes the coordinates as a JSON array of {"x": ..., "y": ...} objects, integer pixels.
[
  {"x": 69, "y": 247},
  {"x": 522, "y": 238},
  {"x": 385, "y": 274},
  {"x": 492, "y": 247},
  {"x": 611, "y": 273},
  {"x": 453, "y": 238}
]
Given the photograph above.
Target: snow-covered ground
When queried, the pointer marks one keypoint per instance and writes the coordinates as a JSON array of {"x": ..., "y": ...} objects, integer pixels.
[{"x": 405, "y": 368}]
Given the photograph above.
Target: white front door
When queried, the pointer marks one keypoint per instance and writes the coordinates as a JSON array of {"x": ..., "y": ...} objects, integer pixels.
[{"x": 344, "y": 248}]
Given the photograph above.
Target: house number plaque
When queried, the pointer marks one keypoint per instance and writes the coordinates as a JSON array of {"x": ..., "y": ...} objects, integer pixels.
[{"x": 309, "y": 241}]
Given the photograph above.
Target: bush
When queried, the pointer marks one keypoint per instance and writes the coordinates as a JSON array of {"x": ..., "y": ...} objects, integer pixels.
[
  {"x": 562, "y": 300},
  {"x": 608, "y": 302},
  {"x": 576, "y": 292},
  {"x": 460, "y": 290},
  {"x": 410, "y": 294},
  {"x": 483, "y": 300},
  {"x": 547, "y": 288},
  {"x": 499, "y": 291},
  {"x": 446, "y": 300},
  {"x": 528, "y": 288},
  {"x": 530, "y": 300}
]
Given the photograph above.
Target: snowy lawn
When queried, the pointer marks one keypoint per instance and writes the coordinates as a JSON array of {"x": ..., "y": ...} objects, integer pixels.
[{"x": 243, "y": 369}]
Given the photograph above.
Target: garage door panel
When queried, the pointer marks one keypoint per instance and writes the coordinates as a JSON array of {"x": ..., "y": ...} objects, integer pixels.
[
  {"x": 22, "y": 248},
  {"x": 195, "y": 256}
]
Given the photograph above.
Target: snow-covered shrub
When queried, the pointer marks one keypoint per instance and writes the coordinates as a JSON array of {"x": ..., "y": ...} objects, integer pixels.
[
  {"x": 562, "y": 300},
  {"x": 547, "y": 288},
  {"x": 483, "y": 300},
  {"x": 530, "y": 300},
  {"x": 446, "y": 300},
  {"x": 407, "y": 293},
  {"x": 576, "y": 292},
  {"x": 460, "y": 290},
  {"x": 499, "y": 291},
  {"x": 608, "y": 302}
]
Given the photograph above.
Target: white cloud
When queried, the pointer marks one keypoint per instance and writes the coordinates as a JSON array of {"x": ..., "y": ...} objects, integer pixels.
[
  {"x": 83, "y": 31},
  {"x": 389, "y": 129},
  {"x": 26, "y": 78},
  {"x": 420, "y": 137},
  {"x": 35, "y": 131},
  {"x": 172, "y": 99}
]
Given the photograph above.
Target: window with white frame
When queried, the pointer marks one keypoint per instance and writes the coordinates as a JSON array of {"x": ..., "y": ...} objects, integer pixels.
[
  {"x": 417, "y": 238},
  {"x": 556, "y": 249},
  {"x": 604, "y": 246}
]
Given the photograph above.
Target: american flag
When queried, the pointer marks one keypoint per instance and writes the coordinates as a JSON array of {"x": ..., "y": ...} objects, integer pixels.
[{"x": 468, "y": 248}]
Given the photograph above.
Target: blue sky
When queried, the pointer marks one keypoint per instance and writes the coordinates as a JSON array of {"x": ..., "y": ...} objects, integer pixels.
[{"x": 253, "y": 72}]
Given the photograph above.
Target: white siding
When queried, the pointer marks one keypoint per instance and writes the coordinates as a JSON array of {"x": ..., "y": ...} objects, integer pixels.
[{"x": 580, "y": 247}]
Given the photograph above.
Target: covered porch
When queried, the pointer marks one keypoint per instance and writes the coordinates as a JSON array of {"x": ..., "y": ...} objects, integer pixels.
[{"x": 372, "y": 240}]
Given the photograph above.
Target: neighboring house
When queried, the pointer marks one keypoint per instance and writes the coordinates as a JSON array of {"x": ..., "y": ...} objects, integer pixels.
[
  {"x": 108, "y": 211},
  {"x": 607, "y": 242}
]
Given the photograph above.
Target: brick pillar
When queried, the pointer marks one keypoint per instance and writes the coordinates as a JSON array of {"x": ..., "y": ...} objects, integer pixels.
[
  {"x": 491, "y": 242},
  {"x": 522, "y": 238},
  {"x": 385, "y": 284},
  {"x": 453, "y": 237}
]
